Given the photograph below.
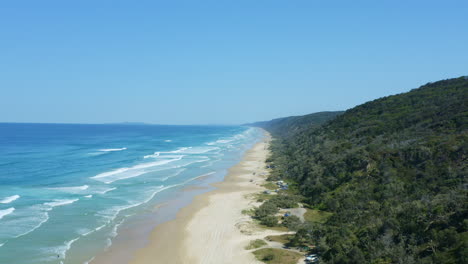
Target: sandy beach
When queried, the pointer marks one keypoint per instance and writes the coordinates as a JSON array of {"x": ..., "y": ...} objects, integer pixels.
[{"x": 212, "y": 229}]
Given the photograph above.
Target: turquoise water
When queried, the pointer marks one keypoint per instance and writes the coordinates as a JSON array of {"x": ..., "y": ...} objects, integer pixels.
[{"x": 66, "y": 189}]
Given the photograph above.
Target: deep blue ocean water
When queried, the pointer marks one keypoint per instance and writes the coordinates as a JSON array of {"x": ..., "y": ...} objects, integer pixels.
[{"x": 65, "y": 189}]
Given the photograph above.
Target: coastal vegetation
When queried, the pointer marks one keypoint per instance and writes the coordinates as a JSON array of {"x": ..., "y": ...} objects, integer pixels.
[
  {"x": 316, "y": 216},
  {"x": 277, "y": 256},
  {"x": 280, "y": 239},
  {"x": 257, "y": 243},
  {"x": 285, "y": 126},
  {"x": 266, "y": 212},
  {"x": 385, "y": 182}
]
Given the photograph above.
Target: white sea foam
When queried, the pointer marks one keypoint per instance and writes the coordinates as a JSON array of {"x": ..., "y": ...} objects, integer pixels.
[
  {"x": 111, "y": 213},
  {"x": 88, "y": 196},
  {"x": 25, "y": 221},
  {"x": 28, "y": 219},
  {"x": 61, "y": 250},
  {"x": 210, "y": 163},
  {"x": 157, "y": 154},
  {"x": 154, "y": 155},
  {"x": 110, "y": 173},
  {"x": 87, "y": 262},
  {"x": 106, "y": 190},
  {"x": 99, "y": 228},
  {"x": 156, "y": 163},
  {"x": 220, "y": 141},
  {"x": 173, "y": 174},
  {"x": 182, "y": 150},
  {"x": 192, "y": 162},
  {"x": 116, "y": 227},
  {"x": 135, "y": 171},
  {"x": 112, "y": 149},
  {"x": 203, "y": 150},
  {"x": 233, "y": 138},
  {"x": 84, "y": 231},
  {"x": 194, "y": 150},
  {"x": 60, "y": 202},
  {"x": 198, "y": 177},
  {"x": 161, "y": 188},
  {"x": 10, "y": 199},
  {"x": 224, "y": 141},
  {"x": 6, "y": 212},
  {"x": 1, "y": 245},
  {"x": 29, "y": 226},
  {"x": 167, "y": 140},
  {"x": 108, "y": 243},
  {"x": 67, "y": 246},
  {"x": 179, "y": 150},
  {"x": 73, "y": 189},
  {"x": 87, "y": 232},
  {"x": 172, "y": 186}
]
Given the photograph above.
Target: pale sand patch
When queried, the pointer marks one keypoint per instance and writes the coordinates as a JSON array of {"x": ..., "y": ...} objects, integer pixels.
[{"x": 213, "y": 229}]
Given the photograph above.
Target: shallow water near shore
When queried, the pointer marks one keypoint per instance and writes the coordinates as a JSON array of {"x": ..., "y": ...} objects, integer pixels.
[{"x": 67, "y": 191}]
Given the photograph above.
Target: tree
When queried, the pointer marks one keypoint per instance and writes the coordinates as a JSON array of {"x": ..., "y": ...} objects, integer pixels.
[
  {"x": 269, "y": 221},
  {"x": 391, "y": 172},
  {"x": 292, "y": 222}
]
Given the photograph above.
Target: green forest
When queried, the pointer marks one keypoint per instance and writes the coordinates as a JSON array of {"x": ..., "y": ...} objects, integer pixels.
[{"x": 391, "y": 173}]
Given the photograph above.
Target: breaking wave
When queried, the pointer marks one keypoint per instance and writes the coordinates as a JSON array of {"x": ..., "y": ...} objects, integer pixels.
[
  {"x": 60, "y": 202},
  {"x": 112, "y": 149},
  {"x": 6, "y": 212},
  {"x": 10, "y": 199},
  {"x": 135, "y": 171},
  {"x": 73, "y": 189}
]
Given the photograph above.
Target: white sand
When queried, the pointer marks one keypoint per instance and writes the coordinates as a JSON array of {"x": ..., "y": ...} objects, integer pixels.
[{"x": 212, "y": 229}]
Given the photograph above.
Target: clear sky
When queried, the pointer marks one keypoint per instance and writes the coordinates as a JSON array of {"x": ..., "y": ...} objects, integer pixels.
[{"x": 223, "y": 62}]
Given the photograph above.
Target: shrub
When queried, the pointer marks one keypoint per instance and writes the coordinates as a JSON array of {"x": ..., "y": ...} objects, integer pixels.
[
  {"x": 256, "y": 244},
  {"x": 284, "y": 201},
  {"x": 292, "y": 222},
  {"x": 265, "y": 209},
  {"x": 269, "y": 257},
  {"x": 269, "y": 221}
]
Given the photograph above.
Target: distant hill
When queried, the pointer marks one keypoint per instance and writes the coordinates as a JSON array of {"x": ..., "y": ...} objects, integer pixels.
[
  {"x": 130, "y": 123},
  {"x": 288, "y": 126},
  {"x": 392, "y": 172}
]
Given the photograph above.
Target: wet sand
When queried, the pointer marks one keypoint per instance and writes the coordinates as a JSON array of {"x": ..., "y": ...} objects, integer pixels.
[{"x": 212, "y": 228}]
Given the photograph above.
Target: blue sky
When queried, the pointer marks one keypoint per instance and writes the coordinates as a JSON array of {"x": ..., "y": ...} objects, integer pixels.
[{"x": 223, "y": 62}]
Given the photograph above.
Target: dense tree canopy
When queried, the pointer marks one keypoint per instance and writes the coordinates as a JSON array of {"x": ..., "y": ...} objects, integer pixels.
[
  {"x": 288, "y": 126},
  {"x": 393, "y": 173}
]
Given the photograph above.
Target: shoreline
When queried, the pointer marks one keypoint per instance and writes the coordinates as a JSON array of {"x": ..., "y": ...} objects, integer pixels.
[
  {"x": 207, "y": 230},
  {"x": 135, "y": 234}
]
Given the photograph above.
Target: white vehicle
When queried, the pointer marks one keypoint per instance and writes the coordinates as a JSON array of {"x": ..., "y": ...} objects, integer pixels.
[{"x": 312, "y": 258}]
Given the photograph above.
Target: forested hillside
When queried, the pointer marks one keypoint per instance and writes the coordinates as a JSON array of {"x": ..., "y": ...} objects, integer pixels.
[
  {"x": 288, "y": 126},
  {"x": 393, "y": 173}
]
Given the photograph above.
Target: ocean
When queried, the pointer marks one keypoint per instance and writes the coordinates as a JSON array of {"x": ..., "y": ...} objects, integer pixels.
[{"x": 66, "y": 189}]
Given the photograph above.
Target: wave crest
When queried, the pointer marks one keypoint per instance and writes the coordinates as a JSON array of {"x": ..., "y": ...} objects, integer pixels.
[
  {"x": 137, "y": 170},
  {"x": 72, "y": 189},
  {"x": 10, "y": 199},
  {"x": 6, "y": 212},
  {"x": 60, "y": 202},
  {"x": 112, "y": 149}
]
